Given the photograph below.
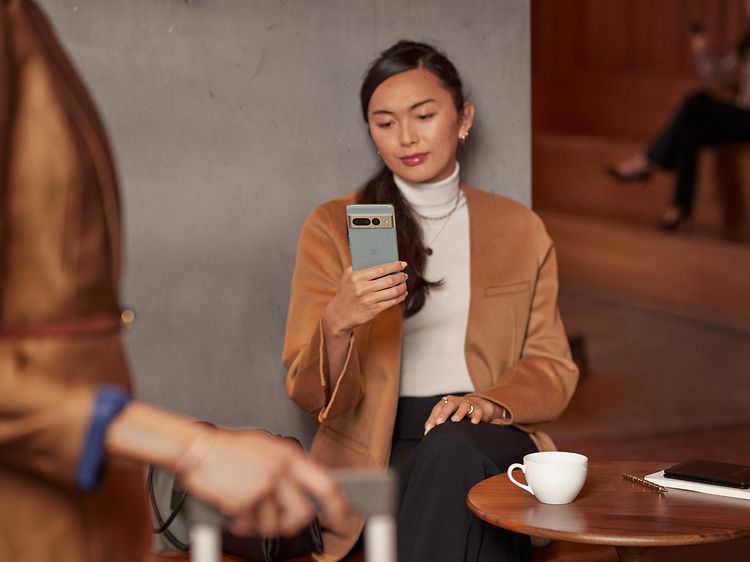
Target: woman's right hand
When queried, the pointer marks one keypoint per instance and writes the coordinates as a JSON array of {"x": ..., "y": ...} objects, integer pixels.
[
  {"x": 262, "y": 483},
  {"x": 364, "y": 294}
]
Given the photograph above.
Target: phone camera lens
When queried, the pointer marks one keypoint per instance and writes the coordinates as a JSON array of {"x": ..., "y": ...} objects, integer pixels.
[
  {"x": 376, "y": 222},
  {"x": 361, "y": 222}
]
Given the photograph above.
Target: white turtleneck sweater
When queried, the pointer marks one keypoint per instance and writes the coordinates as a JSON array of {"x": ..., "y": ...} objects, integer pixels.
[{"x": 432, "y": 357}]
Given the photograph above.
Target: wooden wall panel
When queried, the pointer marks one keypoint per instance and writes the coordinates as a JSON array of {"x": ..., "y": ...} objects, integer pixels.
[
  {"x": 557, "y": 41},
  {"x": 607, "y": 34},
  {"x": 581, "y": 47}
]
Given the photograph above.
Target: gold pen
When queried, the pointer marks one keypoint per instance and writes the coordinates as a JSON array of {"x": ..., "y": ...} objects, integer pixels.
[{"x": 645, "y": 483}]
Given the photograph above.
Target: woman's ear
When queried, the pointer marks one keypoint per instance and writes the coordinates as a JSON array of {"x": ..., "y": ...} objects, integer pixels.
[{"x": 466, "y": 120}]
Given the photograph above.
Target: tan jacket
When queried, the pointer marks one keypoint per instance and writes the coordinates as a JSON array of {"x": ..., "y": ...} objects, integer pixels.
[
  {"x": 516, "y": 349},
  {"x": 59, "y": 263}
]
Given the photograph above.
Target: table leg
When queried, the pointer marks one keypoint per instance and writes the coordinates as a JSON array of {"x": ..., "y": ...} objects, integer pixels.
[{"x": 634, "y": 553}]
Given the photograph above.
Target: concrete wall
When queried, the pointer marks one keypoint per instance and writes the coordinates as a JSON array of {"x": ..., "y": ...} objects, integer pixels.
[{"x": 231, "y": 120}]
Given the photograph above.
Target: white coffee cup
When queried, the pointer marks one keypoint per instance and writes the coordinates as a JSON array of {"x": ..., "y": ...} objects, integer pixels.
[{"x": 553, "y": 476}]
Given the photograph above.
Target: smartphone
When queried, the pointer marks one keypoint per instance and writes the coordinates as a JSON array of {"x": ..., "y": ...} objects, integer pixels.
[
  {"x": 372, "y": 235},
  {"x": 711, "y": 472}
]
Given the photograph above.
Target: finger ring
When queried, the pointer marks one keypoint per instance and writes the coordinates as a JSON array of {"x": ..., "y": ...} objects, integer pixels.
[
  {"x": 471, "y": 409},
  {"x": 445, "y": 399}
]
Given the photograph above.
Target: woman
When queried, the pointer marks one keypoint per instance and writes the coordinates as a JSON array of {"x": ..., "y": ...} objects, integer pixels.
[
  {"x": 465, "y": 329},
  {"x": 702, "y": 120},
  {"x": 72, "y": 441}
]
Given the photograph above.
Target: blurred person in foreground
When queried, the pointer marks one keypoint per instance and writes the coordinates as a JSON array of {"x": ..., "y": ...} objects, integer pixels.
[
  {"x": 703, "y": 119},
  {"x": 72, "y": 440}
]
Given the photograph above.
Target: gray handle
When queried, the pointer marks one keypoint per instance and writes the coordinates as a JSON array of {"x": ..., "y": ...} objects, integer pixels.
[
  {"x": 374, "y": 493},
  {"x": 206, "y": 524}
]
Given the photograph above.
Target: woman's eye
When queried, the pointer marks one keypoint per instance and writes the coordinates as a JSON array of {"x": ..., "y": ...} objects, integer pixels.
[
  {"x": 425, "y": 116},
  {"x": 385, "y": 124}
]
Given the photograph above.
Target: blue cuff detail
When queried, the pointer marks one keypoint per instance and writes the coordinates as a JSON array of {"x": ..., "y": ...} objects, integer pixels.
[{"x": 108, "y": 402}]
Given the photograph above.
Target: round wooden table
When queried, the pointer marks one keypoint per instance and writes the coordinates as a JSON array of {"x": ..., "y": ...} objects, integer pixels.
[{"x": 611, "y": 510}]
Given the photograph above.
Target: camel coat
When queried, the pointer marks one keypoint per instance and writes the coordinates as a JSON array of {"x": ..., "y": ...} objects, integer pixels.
[
  {"x": 59, "y": 270},
  {"x": 516, "y": 349}
]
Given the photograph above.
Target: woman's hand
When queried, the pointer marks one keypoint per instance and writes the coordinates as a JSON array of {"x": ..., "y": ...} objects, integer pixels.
[
  {"x": 459, "y": 407},
  {"x": 263, "y": 484},
  {"x": 364, "y": 294},
  {"x": 698, "y": 42}
]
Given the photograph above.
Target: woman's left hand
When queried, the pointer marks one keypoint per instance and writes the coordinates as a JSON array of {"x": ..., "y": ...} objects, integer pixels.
[{"x": 459, "y": 407}]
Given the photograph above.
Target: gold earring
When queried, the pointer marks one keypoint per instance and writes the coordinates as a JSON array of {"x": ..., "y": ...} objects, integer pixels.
[{"x": 462, "y": 138}]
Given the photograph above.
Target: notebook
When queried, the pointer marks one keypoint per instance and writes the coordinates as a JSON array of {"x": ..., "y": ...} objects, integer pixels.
[{"x": 726, "y": 491}]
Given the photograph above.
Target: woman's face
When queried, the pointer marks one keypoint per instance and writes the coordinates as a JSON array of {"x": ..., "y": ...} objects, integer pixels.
[{"x": 415, "y": 126}]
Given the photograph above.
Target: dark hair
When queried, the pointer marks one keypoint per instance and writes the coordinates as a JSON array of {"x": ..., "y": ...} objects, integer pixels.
[
  {"x": 380, "y": 188},
  {"x": 743, "y": 45}
]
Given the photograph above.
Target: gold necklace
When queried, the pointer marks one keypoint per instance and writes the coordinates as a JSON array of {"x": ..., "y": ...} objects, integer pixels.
[{"x": 427, "y": 247}]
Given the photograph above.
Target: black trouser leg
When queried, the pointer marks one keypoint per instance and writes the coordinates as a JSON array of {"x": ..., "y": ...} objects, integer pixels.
[
  {"x": 665, "y": 149},
  {"x": 700, "y": 121},
  {"x": 437, "y": 472},
  {"x": 686, "y": 163}
]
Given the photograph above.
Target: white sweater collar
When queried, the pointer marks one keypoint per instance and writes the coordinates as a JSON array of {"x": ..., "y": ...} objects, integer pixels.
[{"x": 431, "y": 199}]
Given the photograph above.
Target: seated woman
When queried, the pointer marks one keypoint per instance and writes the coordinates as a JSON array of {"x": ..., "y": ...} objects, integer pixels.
[
  {"x": 703, "y": 119},
  {"x": 444, "y": 365}
]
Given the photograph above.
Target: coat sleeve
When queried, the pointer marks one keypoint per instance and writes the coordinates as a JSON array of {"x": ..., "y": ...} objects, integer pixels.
[
  {"x": 721, "y": 71},
  {"x": 317, "y": 273},
  {"x": 538, "y": 387},
  {"x": 43, "y": 421}
]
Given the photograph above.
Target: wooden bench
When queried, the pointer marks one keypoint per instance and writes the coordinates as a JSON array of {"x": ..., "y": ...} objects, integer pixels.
[
  {"x": 568, "y": 176},
  {"x": 732, "y": 175}
]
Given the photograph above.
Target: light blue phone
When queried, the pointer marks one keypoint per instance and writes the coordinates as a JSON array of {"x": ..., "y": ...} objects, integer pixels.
[{"x": 372, "y": 235}]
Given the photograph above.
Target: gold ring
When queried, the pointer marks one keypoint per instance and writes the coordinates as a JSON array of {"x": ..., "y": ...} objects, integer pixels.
[
  {"x": 445, "y": 399},
  {"x": 471, "y": 409}
]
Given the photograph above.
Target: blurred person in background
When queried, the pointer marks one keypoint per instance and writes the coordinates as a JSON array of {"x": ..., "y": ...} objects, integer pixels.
[{"x": 704, "y": 119}]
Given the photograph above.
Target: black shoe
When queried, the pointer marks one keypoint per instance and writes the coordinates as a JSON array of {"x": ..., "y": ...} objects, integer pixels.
[
  {"x": 673, "y": 218},
  {"x": 630, "y": 177}
]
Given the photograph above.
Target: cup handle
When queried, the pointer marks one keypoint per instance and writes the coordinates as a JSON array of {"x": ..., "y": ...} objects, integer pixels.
[{"x": 511, "y": 468}]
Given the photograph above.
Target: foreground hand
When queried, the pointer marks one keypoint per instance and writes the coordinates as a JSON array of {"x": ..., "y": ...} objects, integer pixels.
[
  {"x": 364, "y": 294},
  {"x": 262, "y": 484},
  {"x": 457, "y": 408}
]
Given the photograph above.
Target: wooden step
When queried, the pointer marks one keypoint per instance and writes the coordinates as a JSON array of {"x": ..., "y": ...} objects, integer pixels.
[
  {"x": 699, "y": 278},
  {"x": 568, "y": 175},
  {"x": 726, "y": 443},
  {"x": 607, "y": 103}
]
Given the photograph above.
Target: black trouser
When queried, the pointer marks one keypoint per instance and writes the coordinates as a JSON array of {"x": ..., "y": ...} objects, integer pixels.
[
  {"x": 700, "y": 121},
  {"x": 437, "y": 471}
]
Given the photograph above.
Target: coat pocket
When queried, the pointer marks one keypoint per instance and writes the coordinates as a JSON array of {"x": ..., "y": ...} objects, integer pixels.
[{"x": 507, "y": 306}]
